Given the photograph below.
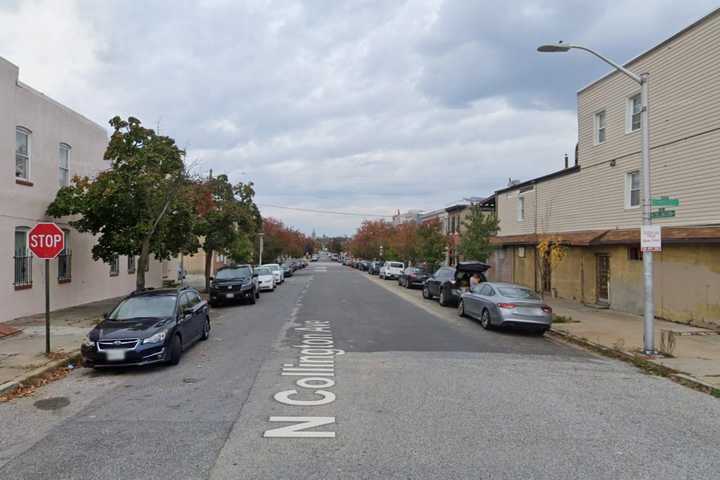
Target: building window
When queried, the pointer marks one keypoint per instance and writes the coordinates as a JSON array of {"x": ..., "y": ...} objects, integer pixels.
[
  {"x": 131, "y": 263},
  {"x": 632, "y": 190},
  {"x": 521, "y": 209},
  {"x": 521, "y": 252},
  {"x": 64, "y": 165},
  {"x": 634, "y": 253},
  {"x": 600, "y": 127},
  {"x": 634, "y": 114},
  {"x": 22, "y": 259},
  {"x": 22, "y": 153},
  {"x": 115, "y": 266},
  {"x": 65, "y": 261}
]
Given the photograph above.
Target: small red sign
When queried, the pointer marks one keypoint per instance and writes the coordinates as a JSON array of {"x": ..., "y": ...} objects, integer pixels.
[{"x": 46, "y": 240}]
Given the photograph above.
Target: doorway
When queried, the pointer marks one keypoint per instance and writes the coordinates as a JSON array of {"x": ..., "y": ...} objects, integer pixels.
[{"x": 603, "y": 279}]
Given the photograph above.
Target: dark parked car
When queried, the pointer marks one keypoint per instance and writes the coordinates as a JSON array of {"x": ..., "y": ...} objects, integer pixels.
[
  {"x": 413, "y": 277},
  {"x": 364, "y": 265},
  {"x": 147, "y": 327},
  {"x": 287, "y": 269},
  {"x": 448, "y": 283},
  {"x": 232, "y": 283},
  {"x": 374, "y": 268}
]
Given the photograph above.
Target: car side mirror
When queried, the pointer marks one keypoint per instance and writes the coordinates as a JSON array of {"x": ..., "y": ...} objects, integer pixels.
[{"x": 105, "y": 315}]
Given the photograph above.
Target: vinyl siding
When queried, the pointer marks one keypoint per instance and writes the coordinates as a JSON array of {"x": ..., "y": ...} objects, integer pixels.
[{"x": 685, "y": 145}]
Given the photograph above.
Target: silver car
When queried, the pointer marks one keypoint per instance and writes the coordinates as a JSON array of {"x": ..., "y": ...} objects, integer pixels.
[{"x": 505, "y": 305}]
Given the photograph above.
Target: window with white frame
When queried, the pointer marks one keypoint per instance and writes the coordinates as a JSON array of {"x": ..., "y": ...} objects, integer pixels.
[
  {"x": 521, "y": 209},
  {"x": 632, "y": 189},
  {"x": 634, "y": 114},
  {"x": 600, "y": 131},
  {"x": 131, "y": 263},
  {"x": 22, "y": 259},
  {"x": 65, "y": 260},
  {"x": 115, "y": 266},
  {"x": 22, "y": 153},
  {"x": 64, "y": 165}
]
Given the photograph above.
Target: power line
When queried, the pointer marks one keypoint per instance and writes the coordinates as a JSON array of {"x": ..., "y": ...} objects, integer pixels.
[{"x": 327, "y": 212}]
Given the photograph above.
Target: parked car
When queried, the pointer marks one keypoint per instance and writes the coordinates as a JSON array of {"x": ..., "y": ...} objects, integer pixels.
[
  {"x": 364, "y": 265},
  {"x": 413, "y": 277},
  {"x": 374, "y": 268},
  {"x": 506, "y": 305},
  {"x": 447, "y": 283},
  {"x": 287, "y": 269},
  {"x": 314, "y": 258},
  {"x": 391, "y": 270},
  {"x": 149, "y": 326},
  {"x": 232, "y": 283},
  {"x": 277, "y": 272},
  {"x": 265, "y": 278}
]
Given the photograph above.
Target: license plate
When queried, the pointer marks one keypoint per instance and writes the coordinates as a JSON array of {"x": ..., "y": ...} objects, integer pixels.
[
  {"x": 114, "y": 355},
  {"x": 229, "y": 295},
  {"x": 530, "y": 311}
]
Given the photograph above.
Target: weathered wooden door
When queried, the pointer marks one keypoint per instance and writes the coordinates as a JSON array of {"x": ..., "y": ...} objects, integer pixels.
[{"x": 603, "y": 278}]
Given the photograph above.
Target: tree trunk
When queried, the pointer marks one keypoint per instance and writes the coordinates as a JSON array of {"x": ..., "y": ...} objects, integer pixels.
[
  {"x": 142, "y": 264},
  {"x": 208, "y": 268}
]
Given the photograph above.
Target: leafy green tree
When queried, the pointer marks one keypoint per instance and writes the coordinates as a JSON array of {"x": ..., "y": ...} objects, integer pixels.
[
  {"x": 475, "y": 239},
  {"x": 243, "y": 249},
  {"x": 226, "y": 216},
  {"x": 431, "y": 243},
  {"x": 141, "y": 205}
]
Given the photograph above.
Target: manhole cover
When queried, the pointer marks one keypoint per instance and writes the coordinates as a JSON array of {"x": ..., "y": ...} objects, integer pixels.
[{"x": 53, "y": 403}]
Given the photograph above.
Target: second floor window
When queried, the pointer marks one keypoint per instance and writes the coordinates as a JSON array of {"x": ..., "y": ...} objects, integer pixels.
[
  {"x": 600, "y": 127},
  {"x": 632, "y": 190},
  {"x": 22, "y": 153},
  {"x": 634, "y": 113},
  {"x": 521, "y": 209},
  {"x": 131, "y": 263},
  {"x": 115, "y": 266},
  {"x": 64, "y": 165}
]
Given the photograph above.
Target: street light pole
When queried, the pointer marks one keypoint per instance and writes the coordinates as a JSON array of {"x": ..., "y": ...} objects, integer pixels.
[{"x": 649, "y": 304}]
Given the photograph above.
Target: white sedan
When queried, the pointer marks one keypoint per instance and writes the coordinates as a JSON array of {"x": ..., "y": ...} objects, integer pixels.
[{"x": 266, "y": 279}]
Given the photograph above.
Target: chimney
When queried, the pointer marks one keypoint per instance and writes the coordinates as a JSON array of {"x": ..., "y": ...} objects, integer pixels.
[{"x": 566, "y": 161}]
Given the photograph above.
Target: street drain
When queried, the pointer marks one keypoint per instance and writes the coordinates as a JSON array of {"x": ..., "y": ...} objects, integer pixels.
[
  {"x": 190, "y": 380},
  {"x": 53, "y": 403}
]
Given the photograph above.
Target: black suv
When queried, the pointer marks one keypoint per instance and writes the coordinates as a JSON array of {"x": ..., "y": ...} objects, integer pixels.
[
  {"x": 149, "y": 326},
  {"x": 235, "y": 282}
]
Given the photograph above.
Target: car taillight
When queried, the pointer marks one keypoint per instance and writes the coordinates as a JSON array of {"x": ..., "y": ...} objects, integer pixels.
[
  {"x": 546, "y": 309},
  {"x": 507, "y": 306}
]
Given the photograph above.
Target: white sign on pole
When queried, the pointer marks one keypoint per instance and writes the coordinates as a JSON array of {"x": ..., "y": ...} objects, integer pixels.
[{"x": 650, "y": 238}]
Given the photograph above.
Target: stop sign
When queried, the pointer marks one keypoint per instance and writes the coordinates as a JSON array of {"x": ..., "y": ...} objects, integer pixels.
[{"x": 46, "y": 240}]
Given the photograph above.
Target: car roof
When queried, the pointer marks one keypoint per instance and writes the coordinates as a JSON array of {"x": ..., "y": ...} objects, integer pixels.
[
  {"x": 234, "y": 266},
  {"x": 161, "y": 291},
  {"x": 506, "y": 284}
]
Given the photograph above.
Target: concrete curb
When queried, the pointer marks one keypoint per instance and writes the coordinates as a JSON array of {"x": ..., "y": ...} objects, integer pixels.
[
  {"x": 73, "y": 357},
  {"x": 640, "y": 362}
]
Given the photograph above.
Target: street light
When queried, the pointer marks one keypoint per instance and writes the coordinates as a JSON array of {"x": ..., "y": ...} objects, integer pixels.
[{"x": 649, "y": 309}]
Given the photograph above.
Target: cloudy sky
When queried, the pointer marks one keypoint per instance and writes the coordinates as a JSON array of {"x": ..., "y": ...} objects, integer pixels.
[{"x": 358, "y": 106}]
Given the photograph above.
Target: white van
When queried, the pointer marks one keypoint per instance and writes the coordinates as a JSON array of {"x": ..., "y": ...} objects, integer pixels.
[{"x": 391, "y": 270}]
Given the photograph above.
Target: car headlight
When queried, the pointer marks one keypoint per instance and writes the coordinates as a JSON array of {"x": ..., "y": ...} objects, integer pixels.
[
  {"x": 87, "y": 342},
  {"x": 157, "y": 338}
]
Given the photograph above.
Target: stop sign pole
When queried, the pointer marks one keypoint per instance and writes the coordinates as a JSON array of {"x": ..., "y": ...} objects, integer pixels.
[{"x": 46, "y": 241}]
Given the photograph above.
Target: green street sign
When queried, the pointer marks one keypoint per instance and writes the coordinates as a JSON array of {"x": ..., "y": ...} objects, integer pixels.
[
  {"x": 665, "y": 202},
  {"x": 662, "y": 213}
]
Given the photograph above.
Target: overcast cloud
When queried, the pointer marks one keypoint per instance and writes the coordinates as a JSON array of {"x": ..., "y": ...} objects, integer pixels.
[{"x": 368, "y": 106}]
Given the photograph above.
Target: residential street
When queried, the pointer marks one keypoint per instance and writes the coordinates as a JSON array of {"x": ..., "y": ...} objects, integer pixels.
[{"x": 417, "y": 394}]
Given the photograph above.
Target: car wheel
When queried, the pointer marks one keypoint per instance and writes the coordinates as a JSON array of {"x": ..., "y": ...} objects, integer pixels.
[
  {"x": 175, "y": 350},
  {"x": 461, "y": 308},
  {"x": 206, "y": 329},
  {"x": 252, "y": 298},
  {"x": 213, "y": 304},
  {"x": 426, "y": 293},
  {"x": 485, "y": 320},
  {"x": 257, "y": 293},
  {"x": 443, "y": 298}
]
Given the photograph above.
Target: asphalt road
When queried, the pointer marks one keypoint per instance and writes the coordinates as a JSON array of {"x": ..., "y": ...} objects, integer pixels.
[{"x": 408, "y": 390}]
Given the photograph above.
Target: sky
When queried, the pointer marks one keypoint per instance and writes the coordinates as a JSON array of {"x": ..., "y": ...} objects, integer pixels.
[{"x": 363, "y": 106}]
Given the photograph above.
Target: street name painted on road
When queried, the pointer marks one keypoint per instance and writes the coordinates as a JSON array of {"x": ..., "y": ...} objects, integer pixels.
[{"x": 316, "y": 366}]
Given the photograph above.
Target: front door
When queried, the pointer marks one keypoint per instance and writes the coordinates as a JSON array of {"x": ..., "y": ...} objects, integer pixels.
[{"x": 603, "y": 279}]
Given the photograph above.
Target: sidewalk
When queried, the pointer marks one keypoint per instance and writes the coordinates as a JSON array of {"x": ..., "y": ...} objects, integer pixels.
[
  {"x": 696, "y": 352},
  {"x": 23, "y": 354}
]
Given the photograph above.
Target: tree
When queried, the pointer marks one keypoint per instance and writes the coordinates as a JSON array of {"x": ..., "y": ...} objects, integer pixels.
[
  {"x": 227, "y": 218},
  {"x": 403, "y": 242},
  {"x": 141, "y": 205},
  {"x": 475, "y": 239},
  {"x": 550, "y": 252},
  {"x": 431, "y": 243}
]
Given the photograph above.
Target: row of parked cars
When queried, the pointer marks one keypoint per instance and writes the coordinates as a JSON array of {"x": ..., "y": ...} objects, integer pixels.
[
  {"x": 158, "y": 325},
  {"x": 465, "y": 287}
]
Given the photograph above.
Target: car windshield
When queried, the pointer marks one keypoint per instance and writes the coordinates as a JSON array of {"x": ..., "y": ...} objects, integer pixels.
[
  {"x": 263, "y": 271},
  {"x": 518, "y": 293},
  {"x": 396, "y": 265},
  {"x": 230, "y": 273},
  {"x": 149, "y": 306}
]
